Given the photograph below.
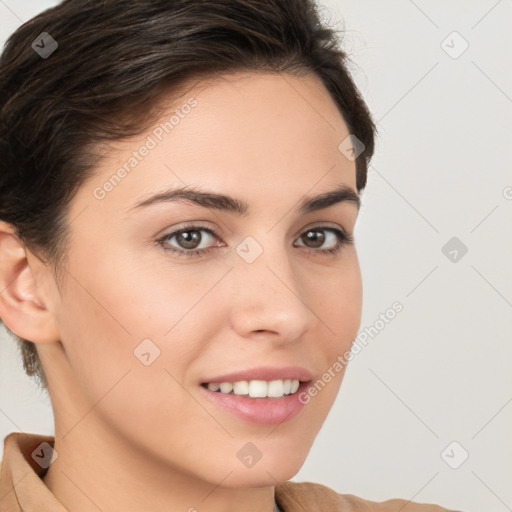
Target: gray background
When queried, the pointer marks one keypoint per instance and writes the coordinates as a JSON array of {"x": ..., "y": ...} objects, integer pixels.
[{"x": 439, "y": 372}]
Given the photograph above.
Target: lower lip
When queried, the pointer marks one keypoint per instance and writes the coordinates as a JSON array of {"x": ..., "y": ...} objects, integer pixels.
[{"x": 262, "y": 411}]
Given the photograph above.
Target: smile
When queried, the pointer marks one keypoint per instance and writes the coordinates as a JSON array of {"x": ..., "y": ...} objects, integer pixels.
[
  {"x": 262, "y": 409},
  {"x": 257, "y": 388}
]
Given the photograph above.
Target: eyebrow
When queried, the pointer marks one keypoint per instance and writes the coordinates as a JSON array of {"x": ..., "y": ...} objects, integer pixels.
[{"x": 229, "y": 204}]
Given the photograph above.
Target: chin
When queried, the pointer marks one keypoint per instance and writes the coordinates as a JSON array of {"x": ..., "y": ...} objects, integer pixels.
[
  {"x": 261, "y": 478},
  {"x": 270, "y": 470}
]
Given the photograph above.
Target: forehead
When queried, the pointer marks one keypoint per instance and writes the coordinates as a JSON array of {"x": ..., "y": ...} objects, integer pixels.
[{"x": 259, "y": 133}]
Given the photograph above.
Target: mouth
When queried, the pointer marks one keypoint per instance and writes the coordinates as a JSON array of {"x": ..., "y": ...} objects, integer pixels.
[
  {"x": 255, "y": 388},
  {"x": 261, "y": 397}
]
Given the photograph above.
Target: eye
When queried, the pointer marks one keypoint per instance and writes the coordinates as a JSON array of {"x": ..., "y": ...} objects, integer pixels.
[
  {"x": 334, "y": 238},
  {"x": 190, "y": 241}
]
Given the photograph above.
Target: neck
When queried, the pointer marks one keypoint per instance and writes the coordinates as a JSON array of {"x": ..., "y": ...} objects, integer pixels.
[{"x": 95, "y": 469}]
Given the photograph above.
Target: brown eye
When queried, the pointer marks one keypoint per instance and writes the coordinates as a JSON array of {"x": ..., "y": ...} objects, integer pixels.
[
  {"x": 192, "y": 240},
  {"x": 316, "y": 238},
  {"x": 189, "y": 239}
]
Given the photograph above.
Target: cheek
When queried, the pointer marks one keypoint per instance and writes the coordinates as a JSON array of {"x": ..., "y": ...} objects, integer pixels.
[
  {"x": 155, "y": 296},
  {"x": 126, "y": 309},
  {"x": 335, "y": 295},
  {"x": 337, "y": 302},
  {"x": 121, "y": 361}
]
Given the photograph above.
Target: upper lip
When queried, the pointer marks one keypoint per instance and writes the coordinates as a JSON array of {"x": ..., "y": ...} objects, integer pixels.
[{"x": 264, "y": 373}]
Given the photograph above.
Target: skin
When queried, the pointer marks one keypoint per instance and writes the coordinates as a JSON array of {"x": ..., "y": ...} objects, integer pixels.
[{"x": 168, "y": 447}]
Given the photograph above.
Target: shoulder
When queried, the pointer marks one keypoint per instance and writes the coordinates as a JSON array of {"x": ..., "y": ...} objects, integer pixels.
[{"x": 305, "y": 496}]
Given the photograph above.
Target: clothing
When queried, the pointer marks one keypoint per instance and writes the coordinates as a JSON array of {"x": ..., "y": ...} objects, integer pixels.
[{"x": 23, "y": 490}]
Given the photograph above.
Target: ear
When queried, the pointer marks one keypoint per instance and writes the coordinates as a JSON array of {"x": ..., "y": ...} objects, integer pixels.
[{"x": 25, "y": 305}]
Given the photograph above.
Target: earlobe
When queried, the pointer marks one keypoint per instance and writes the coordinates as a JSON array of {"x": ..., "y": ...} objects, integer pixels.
[{"x": 23, "y": 305}]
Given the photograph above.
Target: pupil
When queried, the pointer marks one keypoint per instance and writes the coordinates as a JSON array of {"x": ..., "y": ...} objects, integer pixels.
[
  {"x": 189, "y": 239},
  {"x": 316, "y": 237}
]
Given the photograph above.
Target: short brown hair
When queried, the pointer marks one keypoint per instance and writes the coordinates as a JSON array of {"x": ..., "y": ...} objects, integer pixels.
[{"x": 103, "y": 82}]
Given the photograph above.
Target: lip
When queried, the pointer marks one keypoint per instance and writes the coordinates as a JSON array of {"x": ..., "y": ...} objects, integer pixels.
[
  {"x": 263, "y": 373},
  {"x": 260, "y": 411}
]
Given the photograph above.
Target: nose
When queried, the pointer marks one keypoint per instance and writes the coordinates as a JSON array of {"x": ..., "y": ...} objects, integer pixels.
[{"x": 270, "y": 300}]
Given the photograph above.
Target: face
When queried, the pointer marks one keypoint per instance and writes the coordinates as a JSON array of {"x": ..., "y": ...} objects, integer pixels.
[{"x": 163, "y": 297}]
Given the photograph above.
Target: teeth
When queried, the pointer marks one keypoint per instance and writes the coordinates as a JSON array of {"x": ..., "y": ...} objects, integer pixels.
[
  {"x": 226, "y": 387},
  {"x": 257, "y": 388},
  {"x": 275, "y": 388},
  {"x": 241, "y": 388}
]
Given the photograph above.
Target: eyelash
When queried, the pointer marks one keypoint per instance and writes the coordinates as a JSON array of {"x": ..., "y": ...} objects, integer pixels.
[{"x": 343, "y": 239}]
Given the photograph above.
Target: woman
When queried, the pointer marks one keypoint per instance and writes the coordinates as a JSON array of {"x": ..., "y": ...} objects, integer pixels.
[{"x": 179, "y": 187}]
